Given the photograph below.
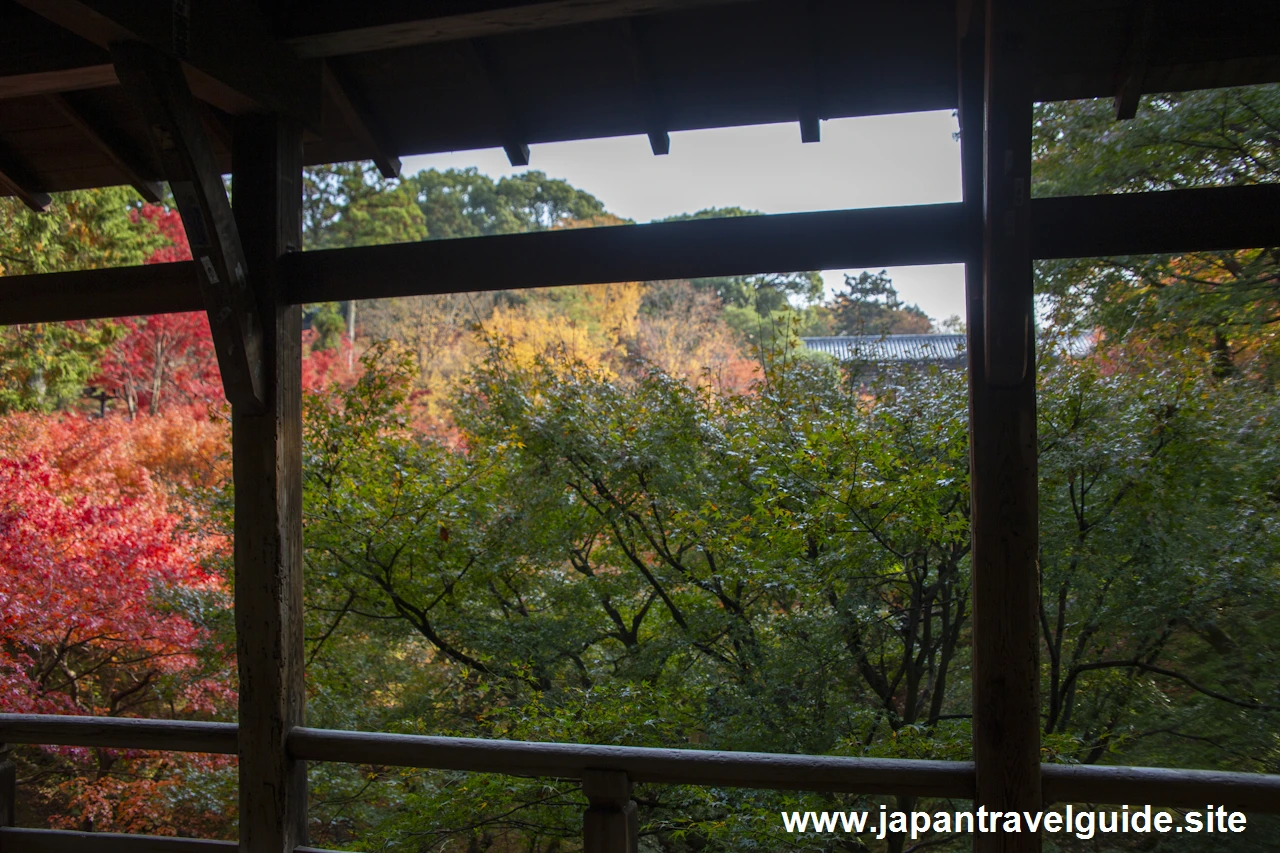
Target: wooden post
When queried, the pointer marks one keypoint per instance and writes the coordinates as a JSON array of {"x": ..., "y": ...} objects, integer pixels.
[
  {"x": 612, "y": 822},
  {"x": 995, "y": 113},
  {"x": 8, "y": 787},
  {"x": 267, "y": 457}
]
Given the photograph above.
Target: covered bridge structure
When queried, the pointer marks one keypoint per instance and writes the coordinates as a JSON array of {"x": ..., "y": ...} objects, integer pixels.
[{"x": 105, "y": 92}]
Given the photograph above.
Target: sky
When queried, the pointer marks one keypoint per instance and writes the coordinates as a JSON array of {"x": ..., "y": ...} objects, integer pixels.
[{"x": 861, "y": 162}]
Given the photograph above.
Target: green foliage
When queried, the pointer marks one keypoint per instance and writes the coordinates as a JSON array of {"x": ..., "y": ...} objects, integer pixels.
[
  {"x": 1223, "y": 305},
  {"x": 465, "y": 203},
  {"x": 45, "y": 366},
  {"x": 634, "y": 561},
  {"x": 85, "y": 229}
]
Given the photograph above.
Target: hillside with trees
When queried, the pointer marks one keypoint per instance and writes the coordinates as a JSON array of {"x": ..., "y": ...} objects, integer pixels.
[{"x": 643, "y": 513}]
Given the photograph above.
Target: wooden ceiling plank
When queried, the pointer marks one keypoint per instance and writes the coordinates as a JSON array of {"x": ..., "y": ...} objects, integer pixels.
[
  {"x": 358, "y": 121},
  {"x": 130, "y": 163},
  {"x": 157, "y": 84},
  {"x": 1132, "y": 71},
  {"x": 344, "y": 28},
  {"x": 227, "y": 48}
]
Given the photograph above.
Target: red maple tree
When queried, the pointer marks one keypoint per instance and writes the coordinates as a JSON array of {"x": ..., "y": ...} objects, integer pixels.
[{"x": 108, "y": 607}]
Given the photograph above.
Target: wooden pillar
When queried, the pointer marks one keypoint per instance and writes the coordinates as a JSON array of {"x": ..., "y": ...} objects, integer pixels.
[
  {"x": 267, "y": 448},
  {"x": 612, "y": 822},
  {"x": 996, "y": 114}
]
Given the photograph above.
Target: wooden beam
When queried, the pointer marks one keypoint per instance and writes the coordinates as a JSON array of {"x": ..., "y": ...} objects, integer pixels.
[
  {"x": 1133, "y": 67},
  {"x": 337, "y": 28},
  {"x": 1072, "y": 227},
  {"x": 130, "y": 163},
  {"x": 810, "y": 94},
  {"x": 611, "y": 823},
  {"x": 368, "y": 135},
  {"x": 160, "y": 90},
  {"x": 1003, "y": 480},
  {"x": 648, "y": 92},
  {"x": 1156, "y": 223},
  {"x": 226, "y": 46},
  {"x": 267, "y": 471},
  {"x": 20, "y": 180},
  {"x": 508, "y": 117},
  {"x": 64, "y": 80},
  {"x": 654, "y": 252}
]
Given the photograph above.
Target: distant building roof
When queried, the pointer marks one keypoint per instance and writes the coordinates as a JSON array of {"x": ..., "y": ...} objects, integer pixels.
[
  {"x": 916, "y": 349},
  {"x": 899, "y": 349}
]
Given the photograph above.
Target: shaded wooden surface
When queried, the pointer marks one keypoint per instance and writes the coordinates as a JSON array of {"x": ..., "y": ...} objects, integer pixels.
[
  {"x": 267, "y": 469},
  {"x": 704, "y": 56},
  {"x": 1087, "y": 226}
]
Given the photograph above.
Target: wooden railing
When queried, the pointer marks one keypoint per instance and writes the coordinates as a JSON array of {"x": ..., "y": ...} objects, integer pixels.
[{"x": 606, "y": 773}]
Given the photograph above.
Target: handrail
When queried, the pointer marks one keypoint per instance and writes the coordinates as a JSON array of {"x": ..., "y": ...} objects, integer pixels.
[
  {"x": 953, "y": 779},
  {"x": 71, "y": 841},
  {"x": 764, "y": 770},
  {"x": 119, "y": 733}
]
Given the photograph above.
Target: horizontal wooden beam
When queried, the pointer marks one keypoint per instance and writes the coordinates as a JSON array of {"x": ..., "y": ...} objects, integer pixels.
[
  {"x": 119, "y": 733},
  {"x": 338, "y": 27},
  {"x": 227, "y": 48},
  {"x": 1156, "y": 223},
  {"x": 94, "y": 294},
  {"x": 71, "y": 841},
  {"x": 1079, "y": 227},
  {"x": 926, "y": 234}
]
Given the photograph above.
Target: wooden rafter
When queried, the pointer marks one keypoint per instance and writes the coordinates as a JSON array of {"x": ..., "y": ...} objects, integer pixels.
[
  {"x": 227, "y": 47},
  {"x": 1130, "y": 76},
  {"x": 508, "y": 118},
  {"x": 20, "y": 180},
  {"x": 648, "y": 91},
  {"x": 129, "y": 162},
  {"x": 159, "y": 88},
  {"x": 357, "y": 120},
  {"x": 810, "y": 93}
]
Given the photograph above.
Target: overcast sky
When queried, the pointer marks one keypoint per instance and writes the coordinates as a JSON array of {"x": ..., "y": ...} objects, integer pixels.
[{"x": 862, "y": 162}]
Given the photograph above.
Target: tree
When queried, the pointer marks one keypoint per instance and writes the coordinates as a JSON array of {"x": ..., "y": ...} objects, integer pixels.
[
  {"x": 1223, "y": 304},
  {"x": 106, "y": 608},
  {"x": 869, "y": 305}
]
